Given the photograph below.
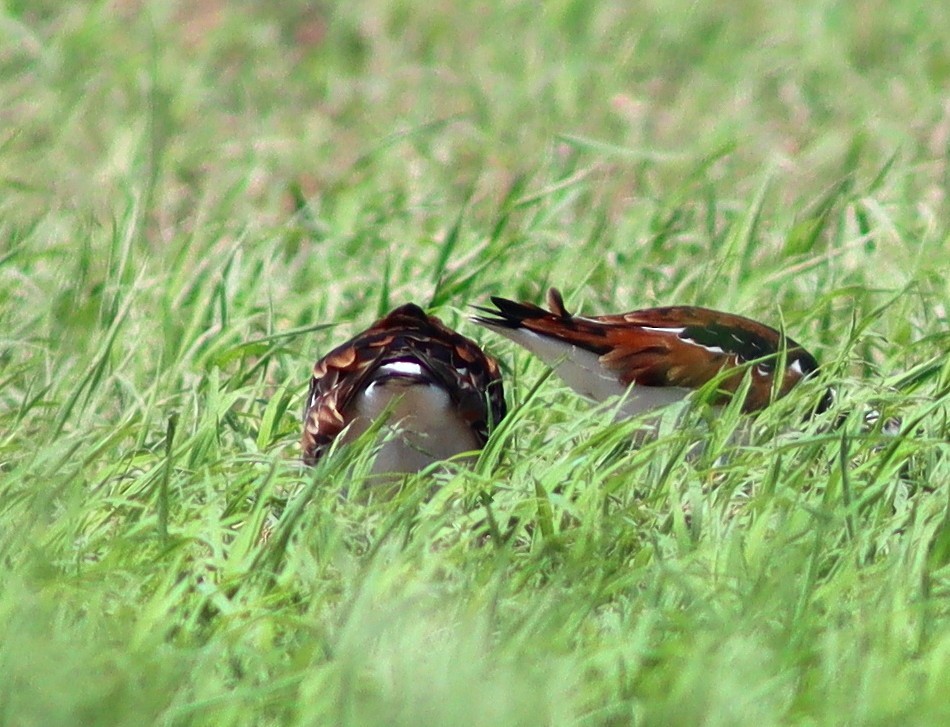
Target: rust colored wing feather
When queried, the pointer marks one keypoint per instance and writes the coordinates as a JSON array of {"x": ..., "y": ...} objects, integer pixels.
[{"x": 681, "y": 346}]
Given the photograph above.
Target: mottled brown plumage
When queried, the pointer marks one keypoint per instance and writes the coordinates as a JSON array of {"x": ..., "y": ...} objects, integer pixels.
[{"x": 445, "y": 392}]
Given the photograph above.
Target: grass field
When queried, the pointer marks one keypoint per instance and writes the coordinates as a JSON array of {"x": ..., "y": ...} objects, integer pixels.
[{"x": 198, "y": 199}]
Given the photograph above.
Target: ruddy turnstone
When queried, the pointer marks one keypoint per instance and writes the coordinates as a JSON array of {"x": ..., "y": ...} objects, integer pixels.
[
  {"x": 664, "y": 352},
  {"x": 440, "y": 392}
]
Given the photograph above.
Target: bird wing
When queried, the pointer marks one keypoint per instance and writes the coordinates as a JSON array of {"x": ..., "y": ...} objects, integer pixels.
[{"x": 682, "y": 346}]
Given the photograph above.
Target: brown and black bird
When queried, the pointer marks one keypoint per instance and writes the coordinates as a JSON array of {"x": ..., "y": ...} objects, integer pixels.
[
  {"x": 441, "y": 393},
  {"x": 662, "y": 353}
]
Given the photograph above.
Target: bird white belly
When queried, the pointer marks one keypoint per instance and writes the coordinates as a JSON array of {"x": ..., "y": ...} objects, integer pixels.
[
  {"x": 422, "y": 425},
  {"x": 584, "y": 373}
]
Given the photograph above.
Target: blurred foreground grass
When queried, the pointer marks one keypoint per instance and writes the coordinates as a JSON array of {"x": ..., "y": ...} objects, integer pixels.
[{"x": 200, "y": 198}]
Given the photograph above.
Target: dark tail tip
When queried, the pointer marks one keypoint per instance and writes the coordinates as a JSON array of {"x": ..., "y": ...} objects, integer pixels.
[
  {"x": 556, "y": 303},
  {"x": 508, "y": 313}
]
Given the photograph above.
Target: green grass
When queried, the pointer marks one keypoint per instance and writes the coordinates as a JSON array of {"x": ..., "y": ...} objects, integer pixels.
[{"x": 200, "y": 198}]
